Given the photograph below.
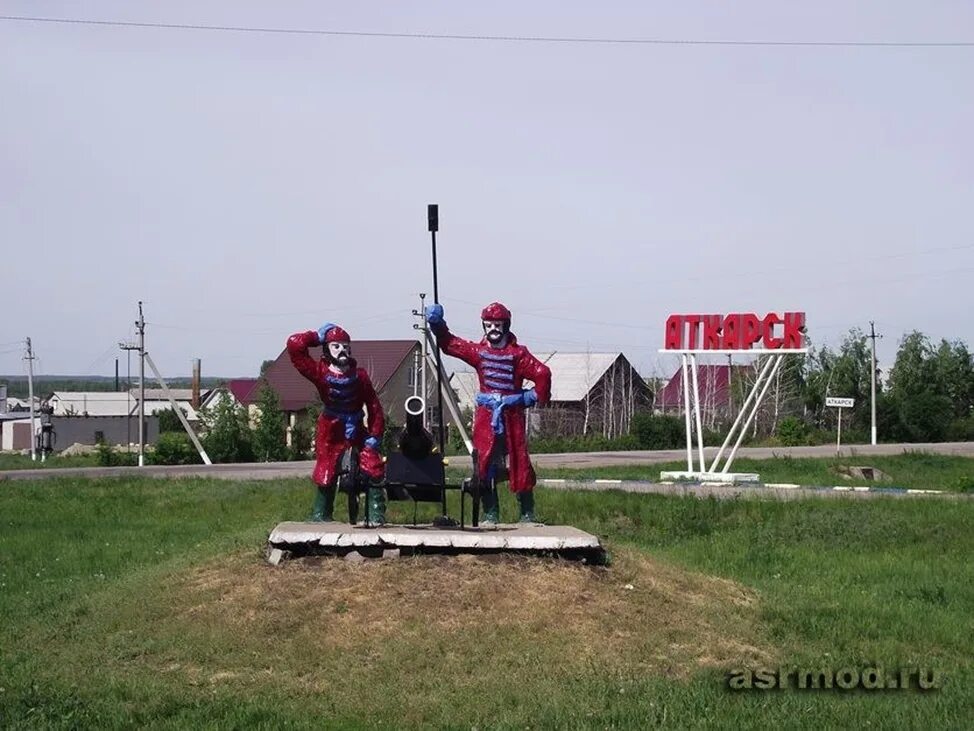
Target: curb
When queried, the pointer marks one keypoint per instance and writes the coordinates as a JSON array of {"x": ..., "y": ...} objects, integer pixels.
[{"x": 783, "y": 490}]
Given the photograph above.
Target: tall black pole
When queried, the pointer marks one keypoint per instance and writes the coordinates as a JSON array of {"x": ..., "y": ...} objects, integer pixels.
[{"x": 433, "y": 220}]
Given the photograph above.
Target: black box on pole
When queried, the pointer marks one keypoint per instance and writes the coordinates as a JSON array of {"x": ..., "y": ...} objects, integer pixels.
[{"x": 433, "y": 216}]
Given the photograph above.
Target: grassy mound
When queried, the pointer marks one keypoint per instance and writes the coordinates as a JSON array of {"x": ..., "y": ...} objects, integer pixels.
[{"x": 640, "y": 612}]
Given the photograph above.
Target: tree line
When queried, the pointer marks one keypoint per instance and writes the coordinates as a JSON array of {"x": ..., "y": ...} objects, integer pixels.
[{"x": 926, "y": 396}]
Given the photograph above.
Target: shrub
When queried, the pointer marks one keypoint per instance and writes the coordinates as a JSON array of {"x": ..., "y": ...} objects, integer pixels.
[
  {"x": 174, "y": 448},
  {"x": 592, "y": 443},
  {"x": 965, "y": 483},
  {"x": 792, "y": 432},
  {"x": 105, "y": 454},
  {"x": 456, "y": 439},
  {"x": 268, "y": 436},
  {"x": 303, "y": 434},
  {"x": 961, "y": 430},
  {"x": 108, "y": 456},
  {"x": 658, "y": 431},
  {"x": 169, "y": 421},
  {"x": 228, "y": 437}
]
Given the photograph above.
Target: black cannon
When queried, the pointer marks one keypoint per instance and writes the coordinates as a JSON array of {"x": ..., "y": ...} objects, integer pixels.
[
  {"x": 417, "y": 471},
  {"x": 414, "y": 441}
]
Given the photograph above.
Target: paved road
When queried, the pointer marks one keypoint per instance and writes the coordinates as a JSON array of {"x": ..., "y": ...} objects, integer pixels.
[
  {"x": 279, "y": 470},
  {"x": 604, "y": 459}
]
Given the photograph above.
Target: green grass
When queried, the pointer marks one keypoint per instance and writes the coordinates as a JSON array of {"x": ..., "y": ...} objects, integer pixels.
[
  {"x": 911, "y": 470},
  {"x": 103, "y": 594},
  {"x": 24, "y": 462}
]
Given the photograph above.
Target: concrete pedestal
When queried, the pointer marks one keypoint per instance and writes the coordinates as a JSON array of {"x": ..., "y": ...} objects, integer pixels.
[{"x": 303, "y": 539}]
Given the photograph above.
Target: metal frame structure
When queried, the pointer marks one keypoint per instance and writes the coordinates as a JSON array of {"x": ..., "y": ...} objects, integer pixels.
[{"x": 749, "y": 409}]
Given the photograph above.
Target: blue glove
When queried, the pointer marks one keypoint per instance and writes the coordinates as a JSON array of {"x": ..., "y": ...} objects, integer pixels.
[
  {"x": 434, "y": 315},
  {"x": 530, "y": 398},
  {"x": 372, "y": 443},
  {"x": 323, "y": 331}
]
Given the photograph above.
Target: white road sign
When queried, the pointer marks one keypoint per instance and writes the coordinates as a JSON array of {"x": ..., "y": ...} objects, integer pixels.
[{"x": 843, "y": 403}]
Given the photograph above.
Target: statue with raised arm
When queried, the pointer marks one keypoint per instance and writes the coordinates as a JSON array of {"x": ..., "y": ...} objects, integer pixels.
[
  {"x": 499, "y": 427},
  {"x": 343, "y": 424}
]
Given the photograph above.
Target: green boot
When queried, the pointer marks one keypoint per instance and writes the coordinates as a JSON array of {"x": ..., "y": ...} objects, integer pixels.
[
  {"x": 324, "y": 505},
  {"x": 376, "y": 510},
  {"x": 525, "y": 501},
  {"x": 490, "y": 507}
]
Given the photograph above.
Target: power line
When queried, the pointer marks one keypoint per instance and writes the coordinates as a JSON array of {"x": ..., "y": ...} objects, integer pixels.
[{"x": 494, "y": 38}]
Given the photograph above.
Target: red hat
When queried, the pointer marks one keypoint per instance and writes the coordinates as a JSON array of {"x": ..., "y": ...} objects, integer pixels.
[
  {"x": 495, "y": 311},
  {"x": 337, "y": 335}
]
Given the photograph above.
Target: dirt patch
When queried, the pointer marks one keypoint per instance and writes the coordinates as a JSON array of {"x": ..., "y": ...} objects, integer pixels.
[{"x": 639, "y": 613}]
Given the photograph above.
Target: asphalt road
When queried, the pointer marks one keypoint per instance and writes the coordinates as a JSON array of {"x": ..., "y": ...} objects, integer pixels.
[
  {"x": 604, "y": 459},
  {"x": 279, "y": 470}
]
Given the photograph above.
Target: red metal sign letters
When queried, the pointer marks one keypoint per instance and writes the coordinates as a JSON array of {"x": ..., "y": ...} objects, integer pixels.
[{"x": 735, "y": 332}]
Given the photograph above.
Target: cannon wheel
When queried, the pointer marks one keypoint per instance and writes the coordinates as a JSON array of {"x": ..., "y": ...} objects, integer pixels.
[{"x": 348, "y": 481}]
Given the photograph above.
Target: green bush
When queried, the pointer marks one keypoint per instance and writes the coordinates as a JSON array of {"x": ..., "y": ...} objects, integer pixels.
[
  {"x": 303, "y": 434},
  {"x": 961, "y": 430},
  {"x": 658, "y": 431},
  {"x": 792, "y": 432},
  {"x": 228, "y": 437},
  {"x": 107, "y": 456},
  {"x": 169, "y": 421},
  {"x": 173, "y": 448},
  {"x": 267, "y": 438},
  {"x": 965, "y": 484},
  {"x": 592, "y": 443},
  {"x": 456, "y": 438}
]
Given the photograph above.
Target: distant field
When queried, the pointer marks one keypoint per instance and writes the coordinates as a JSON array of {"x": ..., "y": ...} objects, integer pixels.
[
  {"x": 147, "y": 603},
  {"x": 18, "y": 387}
]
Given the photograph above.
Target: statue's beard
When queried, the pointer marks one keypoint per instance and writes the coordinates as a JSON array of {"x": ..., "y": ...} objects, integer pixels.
[
  {"x": 342, "y": 361},
  {"x": 496, "y": 337}
]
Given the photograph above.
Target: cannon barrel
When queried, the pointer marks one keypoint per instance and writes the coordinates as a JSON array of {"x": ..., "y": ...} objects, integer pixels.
[{"x": 415, "y": 442}]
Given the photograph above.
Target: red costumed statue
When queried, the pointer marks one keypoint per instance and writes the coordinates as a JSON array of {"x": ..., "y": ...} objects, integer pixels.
[
  {"x": 499, "y": 422},
  {"x": 344, "y": 389}
]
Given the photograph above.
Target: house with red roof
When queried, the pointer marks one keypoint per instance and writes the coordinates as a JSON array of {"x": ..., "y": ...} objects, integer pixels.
[
  {"x": 242, "y": 390},
  {"x": 390, "y": 364},
  {"x": 716, "y": 391}
]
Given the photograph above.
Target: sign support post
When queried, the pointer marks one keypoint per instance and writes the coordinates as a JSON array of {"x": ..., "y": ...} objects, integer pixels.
[
  {"x": 839, "y": 403},
  {"x": 838, "y": 436}
]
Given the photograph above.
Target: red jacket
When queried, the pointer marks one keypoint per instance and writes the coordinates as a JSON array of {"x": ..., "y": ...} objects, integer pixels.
[
  {"x": 340, "y": 425},
  {"x": 501, "y": 371}
]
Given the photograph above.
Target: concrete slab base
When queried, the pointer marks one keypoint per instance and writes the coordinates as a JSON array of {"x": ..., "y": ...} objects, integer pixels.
[
  {"x": 304, "y": 539},
  {"x": 731, "y": 478}
]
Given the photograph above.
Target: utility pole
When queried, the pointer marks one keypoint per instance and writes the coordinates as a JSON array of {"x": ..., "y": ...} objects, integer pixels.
[
  {"x": 140, "y": 323},
  {"x": 128, "y": 348},
  {"x": 421, "y": 326},
  {"x": 30, "y": 395},
  {"x": 873, "y": 336}
]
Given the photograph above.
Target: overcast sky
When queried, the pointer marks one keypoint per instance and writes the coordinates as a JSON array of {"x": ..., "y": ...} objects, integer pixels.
[{"x": 246, "y": 186}]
